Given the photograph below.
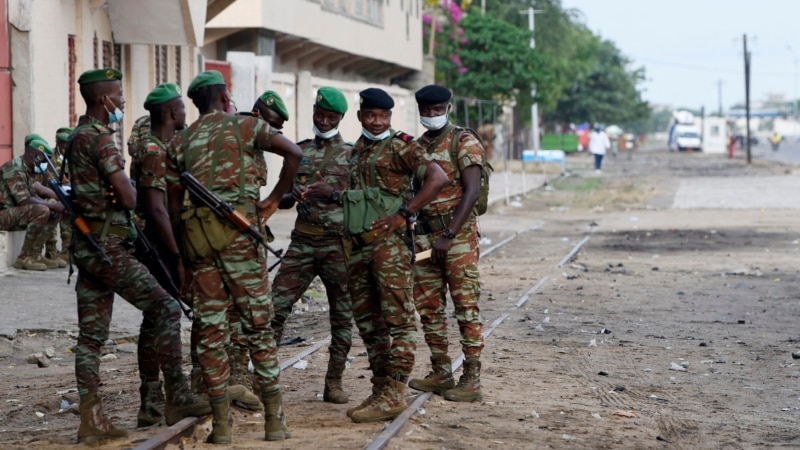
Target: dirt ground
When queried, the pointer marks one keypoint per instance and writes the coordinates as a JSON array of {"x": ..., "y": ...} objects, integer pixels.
[{"x": 670, "y": 328}]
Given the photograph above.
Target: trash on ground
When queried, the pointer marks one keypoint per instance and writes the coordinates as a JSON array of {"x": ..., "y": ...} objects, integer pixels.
[
  {"x": 622, "y": 413},
  {"x": 300, "y": 365},
  {"x": 678, "y": 367}
]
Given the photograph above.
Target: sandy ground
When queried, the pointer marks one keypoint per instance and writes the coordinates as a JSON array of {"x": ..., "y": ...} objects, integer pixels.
[{"x": 670, "y": 328}]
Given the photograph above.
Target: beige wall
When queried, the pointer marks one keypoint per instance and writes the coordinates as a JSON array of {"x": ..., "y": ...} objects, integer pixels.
[{"x": 398, "y": 39}]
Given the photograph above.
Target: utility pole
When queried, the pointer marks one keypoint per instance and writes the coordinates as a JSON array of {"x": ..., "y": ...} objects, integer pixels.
[
  {"x": 719, "y": 95},
  {"x": 534, "y": 107},
  {"x": 747, "y": 95}
]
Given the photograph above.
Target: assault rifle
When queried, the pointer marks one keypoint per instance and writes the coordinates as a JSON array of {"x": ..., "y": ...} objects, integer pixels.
[
  {"x": 148, "y": 255},
  {"x": 77, "y": 219},
  {"x": 227, "y": 213}
]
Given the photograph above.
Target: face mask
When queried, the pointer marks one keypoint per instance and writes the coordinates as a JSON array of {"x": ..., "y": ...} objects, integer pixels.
[
  {"x": 373, "y": 137},
  {"x": 326, "y": 135},
  {"x": 40, "y": 167},
  {"x": 433, "y": 123},
  {"x": 114, "y": 117}
]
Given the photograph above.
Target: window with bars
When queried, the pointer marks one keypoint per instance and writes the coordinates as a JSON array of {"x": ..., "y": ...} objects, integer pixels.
[
  {"x": 118, "y": 56},
  {"x": 108, "y": 54},
  {"x": 72, "y": 60},
  {"x": 94, "y": 52},
  {"x": 178, "y": 65},
  {"x": 161, "y": 63}
]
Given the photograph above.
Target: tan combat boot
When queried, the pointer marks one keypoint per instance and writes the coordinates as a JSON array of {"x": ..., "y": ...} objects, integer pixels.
[
  {"x": 151, "y": 410},
  {"x": 94, "y": 427},
  {"x": 275, "y": 428},
  {"x": 181, "y": 403},
  {"x": 334, "y": 393},
  {"x": 389, "y": 405},
  {"x": 221, "y": 432},
  {"x": 469, "y": 384},
  {"x": 378, "y": 383},
  {"x": 54, "y": 261},
  {"x": 243, "y": 397},
  {"x": 439, "y": 380},
  {"x": 29, "y": 263}
]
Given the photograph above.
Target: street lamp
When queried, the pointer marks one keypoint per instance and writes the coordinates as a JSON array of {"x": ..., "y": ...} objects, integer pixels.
[{"x": 795, "y": 60}]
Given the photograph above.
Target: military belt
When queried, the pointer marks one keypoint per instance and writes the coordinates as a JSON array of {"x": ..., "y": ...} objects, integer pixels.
[
  {"x": 364, "y": 239},
  {"x": 122, "y": 231},
  {"x": 433, "y": 224},
  {"x": 313, "y": 229}
]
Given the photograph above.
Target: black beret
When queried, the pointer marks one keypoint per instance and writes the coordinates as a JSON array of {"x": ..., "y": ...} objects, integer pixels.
[
  {"x": 374, "y": 98},
  {"x": 433, "y": 94}
]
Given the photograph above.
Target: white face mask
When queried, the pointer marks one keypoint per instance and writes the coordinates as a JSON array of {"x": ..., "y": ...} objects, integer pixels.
[
  {"x": 433, "y": 123},
  {"x": 373, "y": 137},
  {"x": 326, "y": 135},
  {"x": 40, "y": 167}
]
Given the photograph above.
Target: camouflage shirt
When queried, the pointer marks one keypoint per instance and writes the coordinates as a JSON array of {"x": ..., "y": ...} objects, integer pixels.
[
  {"x": 17, "y": 183},
  {"x": 401, "y": 159},
  {"x": 194, "y": 150},
  {"x": 92, "y": 157},
  {"x": 150, "y": 166},
  {"x": 331, "y": 157},
  {"x": 141, "y": 127},
  {"x": 469, "y": 153}
]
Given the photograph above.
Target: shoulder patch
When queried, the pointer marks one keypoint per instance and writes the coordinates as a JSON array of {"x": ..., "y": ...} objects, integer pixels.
[
  {"x": 405, "y": 137},
  {"x": 152, "y": 148}
]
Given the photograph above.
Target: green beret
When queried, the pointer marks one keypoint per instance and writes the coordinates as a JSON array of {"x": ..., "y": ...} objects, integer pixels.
[
  {"x": 207, "y": 78},
  {"x": 275, "y": 103},
  {"x": 162, "y": 93},
  {"x": 97, "y": 75},
  {"x": 63, "y": 133},
  {"x": 375, "y": 98},
  {"x": 433, "y": 94},
  {"x": 41, "y": 145},
  {"x": 331, "y": 99},
  {"x": 31, "y": 137}
]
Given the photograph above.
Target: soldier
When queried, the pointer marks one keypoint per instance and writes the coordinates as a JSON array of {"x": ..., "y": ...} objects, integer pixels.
[
  {"x": 52, "y": 258},
  {"x": 317, "y": 247},
  {"x": 380, "y": 279},
  {"x": 271, "y": 108},
  {"x": 225, "y": 153},
  {"x": 24, "y": 205},
  {"x": 448, "y": 226},
  {"x": 104, "y": 195},
  {"x": 65, "y": 226}
]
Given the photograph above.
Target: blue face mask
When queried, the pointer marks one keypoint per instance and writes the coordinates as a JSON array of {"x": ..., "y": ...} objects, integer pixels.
[
  {"x": 39, "y": 167},
  {"x": 116, "y": 116}
]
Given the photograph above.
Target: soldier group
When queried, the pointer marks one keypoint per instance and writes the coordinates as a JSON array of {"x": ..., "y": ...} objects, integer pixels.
[{"x": 359, "y": 207}]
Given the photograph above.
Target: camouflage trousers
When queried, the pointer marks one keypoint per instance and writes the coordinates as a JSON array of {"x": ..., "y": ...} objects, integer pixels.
[
  {"x": 34, "y": 219},
  {"x": 64, "y": 228},
  {"x": 308, "y": 257},
  {"x": 459, "y": 273},
  {"x": 234, "y": 277},
  {"x": 380, "y": 285},
  {"x": 97, "y": 283}
]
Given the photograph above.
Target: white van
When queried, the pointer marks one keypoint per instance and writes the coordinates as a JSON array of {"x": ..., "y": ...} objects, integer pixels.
[{"x": 685, "y": 138}]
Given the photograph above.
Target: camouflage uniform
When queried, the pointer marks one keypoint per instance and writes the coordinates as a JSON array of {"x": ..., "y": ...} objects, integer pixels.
[
  {"x": 92, "y": 157},
  {"x": 381, "y": 275},
  {"x": 317, "y": 249},
  {"x": 36, "y": 220},
  {"x": 236, "y": 275},
  {"x": 64, "y": 225},
  {"x": 459, "y": 272}
]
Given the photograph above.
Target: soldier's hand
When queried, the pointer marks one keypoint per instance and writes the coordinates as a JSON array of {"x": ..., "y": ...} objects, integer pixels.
[
  {"x": 266, "y": 208},
  {"x": 56, "y": 207},
  {"x": 297, "y": 192},
  {"x": 441, "y": 248},
  {"x": 318, "y": 189},
  {"x": 388, "y": 224}
]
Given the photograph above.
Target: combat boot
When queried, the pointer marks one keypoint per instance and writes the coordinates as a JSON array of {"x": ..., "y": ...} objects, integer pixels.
[
  {"x": 151, "y": 411},
  {"x": 27, "y": 262},
  {"x": 54, "y": 261},
  {"x": 240, "y": 377},
  {"x": 468, "y": 388},
  {"x": 333, "y": 392},
  {"x": 94, "y": 427},
  {"x": 221, "y": 421},
  {"x": 378, "y": 383},
  {"x": 389, "y": 405},
  {"x": 439, "y": 380},
  {"x": 275, "y": 428},
  {"x": 181, "y": 402}
]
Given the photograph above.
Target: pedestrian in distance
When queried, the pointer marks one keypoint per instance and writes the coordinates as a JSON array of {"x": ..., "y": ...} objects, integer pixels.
[
  {"x": 224, "y": 153},
  {"x": 24, "y": 203},
  {"x": 105, "y": 197},
  {"x": 598, "y": 146},
  {"x": 382, "y": 166},
  {"x": 318, "y": 247},
  {"x": 448, "y": 226}
]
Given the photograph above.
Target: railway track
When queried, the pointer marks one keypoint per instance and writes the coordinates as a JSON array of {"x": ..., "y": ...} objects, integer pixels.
[{"x": 186, "y": 427}]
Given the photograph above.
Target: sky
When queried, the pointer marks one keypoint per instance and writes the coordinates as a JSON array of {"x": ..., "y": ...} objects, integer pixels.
[{"x": 688, "y": 46}]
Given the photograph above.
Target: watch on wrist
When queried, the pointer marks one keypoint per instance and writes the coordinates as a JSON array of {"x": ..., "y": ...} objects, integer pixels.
[
  {"x": 336, "y": 196},
  {"x": 448, "y": 234}
]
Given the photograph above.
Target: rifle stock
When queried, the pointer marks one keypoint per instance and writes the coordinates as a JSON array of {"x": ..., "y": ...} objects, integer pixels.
[{"x": 227, "y": 213}]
